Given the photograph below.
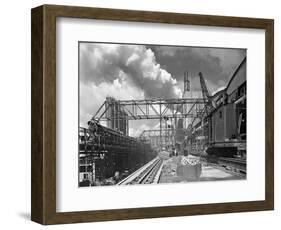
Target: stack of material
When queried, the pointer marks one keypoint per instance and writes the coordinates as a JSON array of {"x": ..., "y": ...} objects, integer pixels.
[{"x": 189, "y": 168}]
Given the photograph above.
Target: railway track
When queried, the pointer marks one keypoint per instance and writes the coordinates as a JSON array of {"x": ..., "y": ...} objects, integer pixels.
[
  {"x": 148, "y": 174},
  {"x": 234, "y": 166}
]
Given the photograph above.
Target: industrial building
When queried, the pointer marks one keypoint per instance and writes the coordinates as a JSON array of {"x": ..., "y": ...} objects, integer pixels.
[
  {"x": 117, "y": 118},
  {"x": 222, "y": 131},
  {"x": 212, "y": 127}
]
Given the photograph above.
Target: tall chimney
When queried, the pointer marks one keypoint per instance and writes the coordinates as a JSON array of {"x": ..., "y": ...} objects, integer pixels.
[{"x": 186, "y": 82}]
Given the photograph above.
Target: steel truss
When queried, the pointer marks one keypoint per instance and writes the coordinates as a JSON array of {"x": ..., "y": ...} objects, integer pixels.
[
  {"x": 156, "y": 137},
  {"x": 150, "y": 109},
  {"x": 109, "y": 151},
  {"x": 156, "y": 133}
]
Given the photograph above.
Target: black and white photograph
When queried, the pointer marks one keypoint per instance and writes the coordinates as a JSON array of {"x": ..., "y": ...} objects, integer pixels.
[{"x": 159, "y": 114}]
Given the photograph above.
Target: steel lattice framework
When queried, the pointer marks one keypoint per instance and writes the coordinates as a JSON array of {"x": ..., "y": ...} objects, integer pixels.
[
  {"x": 156, "y": 133},
  {"x": 157, "y": 136},
  {"x": 150, "y": 109},
  {"x": 206, "y": 94},
  {"x": 104, "y": 151}
]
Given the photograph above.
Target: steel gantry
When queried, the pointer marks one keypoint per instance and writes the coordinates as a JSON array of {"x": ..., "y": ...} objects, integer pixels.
[
  {"x": 149, "y": 109},
  {"x": 117, "y": 113},
  {"x": 103, "y": 152},
  {"x": 156, "y": 136}
]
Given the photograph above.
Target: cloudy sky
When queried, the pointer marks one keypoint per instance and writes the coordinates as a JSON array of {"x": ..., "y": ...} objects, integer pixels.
[{"x": 146, "y": 71}]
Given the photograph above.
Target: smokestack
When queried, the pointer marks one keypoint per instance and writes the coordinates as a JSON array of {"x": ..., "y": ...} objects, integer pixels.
[
  {"x": 186, "y": 82},
  {"x": 186, "y": 94}
]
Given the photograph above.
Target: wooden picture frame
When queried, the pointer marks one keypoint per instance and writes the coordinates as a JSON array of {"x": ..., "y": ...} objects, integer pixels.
[{"x": 43, "y": 202}]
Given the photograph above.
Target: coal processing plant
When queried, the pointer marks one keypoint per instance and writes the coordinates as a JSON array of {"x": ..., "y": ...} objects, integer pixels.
[{"x": 198, "y": 138}]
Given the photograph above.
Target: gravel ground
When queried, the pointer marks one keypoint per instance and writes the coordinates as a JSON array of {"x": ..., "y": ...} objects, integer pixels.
[{"x": 209, "y": 173}]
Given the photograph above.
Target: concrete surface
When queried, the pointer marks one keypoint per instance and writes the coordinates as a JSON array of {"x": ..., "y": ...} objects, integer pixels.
[{"x": 209, "y": 173}]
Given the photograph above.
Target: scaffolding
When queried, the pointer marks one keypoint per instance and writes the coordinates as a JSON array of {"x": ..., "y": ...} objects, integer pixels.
[
  {"x": 161, "y": 109},
  {"x": 154, "y": 137},
  {"x": 103, "y": 152}
]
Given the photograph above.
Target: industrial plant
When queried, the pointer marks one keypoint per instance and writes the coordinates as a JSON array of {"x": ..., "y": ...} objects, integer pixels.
[{"x": 198, "y": 138}]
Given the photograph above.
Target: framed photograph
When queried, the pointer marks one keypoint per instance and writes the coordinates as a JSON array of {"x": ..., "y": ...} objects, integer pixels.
[{"x": 140, "y": 114}]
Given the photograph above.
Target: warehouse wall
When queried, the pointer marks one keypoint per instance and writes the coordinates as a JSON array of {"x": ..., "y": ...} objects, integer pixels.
[
  {"x": 237, "y": 79},
  {"x": 224, "y": 123},
  {"x": 230, "y": 121}
]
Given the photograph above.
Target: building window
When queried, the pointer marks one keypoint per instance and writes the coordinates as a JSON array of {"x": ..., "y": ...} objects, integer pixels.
[
  {"x": 242, "y": 90},
  {"x": 85, "y": 176},
  {"x": 220, "y": 114}
]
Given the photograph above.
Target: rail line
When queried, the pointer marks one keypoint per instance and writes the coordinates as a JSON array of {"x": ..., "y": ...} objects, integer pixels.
[
  {"x": 234, "y": 166},
  {"x": 148, "y": 174}
]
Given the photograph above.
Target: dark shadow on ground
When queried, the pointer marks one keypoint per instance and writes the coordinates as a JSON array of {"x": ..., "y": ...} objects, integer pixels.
[{"x": 25, "y": 215}]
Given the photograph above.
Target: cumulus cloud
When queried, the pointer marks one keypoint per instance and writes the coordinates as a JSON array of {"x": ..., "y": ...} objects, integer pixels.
[
  {"x": 216, "y": 64},
  {"x": 139, "y": 72},
  {"x": 92, "y": 96},
  {"x": 133, "y": 64},
  {"x": 123, "y": 72}
]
